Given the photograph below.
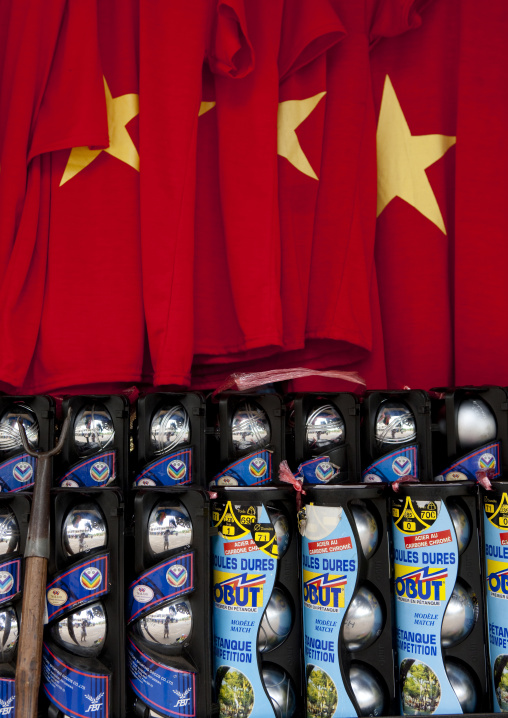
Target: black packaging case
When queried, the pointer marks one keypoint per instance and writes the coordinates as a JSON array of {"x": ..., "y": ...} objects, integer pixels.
[{"x": 347, "y": 455}]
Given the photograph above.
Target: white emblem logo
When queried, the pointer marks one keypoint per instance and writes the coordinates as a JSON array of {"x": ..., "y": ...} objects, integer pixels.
[
  {"x": 95, "y": 703},
  {"x": 5, "y": 706},
  {"x": 182, "y": 700}
]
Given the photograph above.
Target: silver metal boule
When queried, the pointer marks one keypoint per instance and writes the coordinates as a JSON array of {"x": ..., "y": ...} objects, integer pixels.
[
  {"x": 476, "y": 424},
  {"x": 167, "y": 627},
  {"x": 250, "y": 428},
  {"x": 8, "y": 634},
  {"x": 367, "y": 690},
  {"x": 169, "y": 428},
  {"x": 282, "y": 532},
  {"x": 363, "y": 621},
  {"x": 9, "y": 531},
  {"x": 324, "y": 429},
  {"x": 276, "y": 622},
  {"x": 463, "y": 683},
  {"x": 460, "y": 524},
  {"x": 395, "y": 423},
  {"x": 367, "y": 528},
  {"x": 84, "y": 529},
  {"x": 10, "y": 438},
  {"x": 169, "y": 527},
  {"x": 93, "y": 430},
  {"x": 459, "y": 617},
  {"x": 280, "y": 690},
  {"x": 83, "y": 632}
]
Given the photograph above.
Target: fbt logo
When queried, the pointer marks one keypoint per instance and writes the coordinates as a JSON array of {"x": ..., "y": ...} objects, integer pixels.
[
  {"x": 183, "y": 698},
  {"x": 323, "y": 590},
  {"x": 6, "y": 707},
  {"x": 422, "y": 584},
  {"x": 497, "y": 577},
  {"x": 240, "y": 591},
  {"x": 95, "y": 703}
]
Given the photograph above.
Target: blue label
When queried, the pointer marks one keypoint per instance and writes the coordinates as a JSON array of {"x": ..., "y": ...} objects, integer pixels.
[
  {"x": 174, "y": 469},
  {"x": 252, "y": 470},
  {"x": 393, "y": 466},
  {"x": 75, "y": 692},
  {"x": 10, "y": 579},
  {"x": 98, "y": 471},
  {"x": 7, "y": 696},
  {"x": 244, "y": 571},
  {"x": 318, "y": 471},
  {"x": 82, "y": 583},
  {"x": 329, "y": 568},
  {"x": 496, "y": 577},
  {"x": 165, "y": 581},
  {"x": 17, "y": 473},
  {"x": 484, "y": 459},
  {"x": 425, "y": 573},
  {"x": 169, "y": 691}
]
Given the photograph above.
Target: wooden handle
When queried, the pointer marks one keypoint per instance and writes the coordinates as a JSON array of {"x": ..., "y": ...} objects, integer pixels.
[{"x": 28, "y": 668}]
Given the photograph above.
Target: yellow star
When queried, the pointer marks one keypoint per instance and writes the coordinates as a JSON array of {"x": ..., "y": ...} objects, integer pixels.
[
  {"x": 205, "y": 107},
  {"x": 290, "y": 116},
  {"x": 402, "y": 159},
  {"x": 120, "y": 110}
]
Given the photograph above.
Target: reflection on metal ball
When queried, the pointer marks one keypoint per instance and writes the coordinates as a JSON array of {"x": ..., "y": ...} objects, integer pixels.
[
  {"x": 167, "y": 627},
  {"x": 93, "y": 430},
  {"x": 395, "y": 423},
  {"x": 83, "y": 632},
  {"x": 367, "y": 528},
  {"x": 367, "y": 689},
  {"x": 324, "y": 429},
  {"x": 169, "y": 527},
  {"x": 250, "y": 428},
  {"x": 363, "y": 621},
  {"x": 169, "y": 428},
  {"x": 460, "y": 524},
  {"x": 9, "y": 531},
  {"x": 280, "y": 690},
  {"x": 476, "y": 424},
  {"x": 282, "y": 531},
  {"x": 463, "y": 683},
  {"x": 8, "y": 634},
  {"x": 459, "y": 617},
  {"x": 84, "y": 529},
  {"x": 10, "y": 438},
  {"x": 276, "y": 622}
]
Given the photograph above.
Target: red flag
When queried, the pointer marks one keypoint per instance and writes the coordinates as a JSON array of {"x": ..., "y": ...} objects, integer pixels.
[
  {"x": 415, "y": 87},
  {"x": 176, "y": 38},
  {"x": 92, "y": 326},
  {"x": 51, "y": 98}
]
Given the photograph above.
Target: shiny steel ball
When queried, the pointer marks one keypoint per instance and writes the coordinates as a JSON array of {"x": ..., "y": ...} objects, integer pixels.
[
  {"x": 282, "y": 531},
  {"x": 83, "y": 632},
  {"x": 395, "y": 423},
  {"x": 84, "y": 529},
  {"x": 367, "y": 689},
  {"x": 93, "y": 430},
  {"x": 10, "y": 438},
  {"x": 8, "y": 634},
  {"x": 476, "y": 424},
  {"x": 9, "y": 531},
  {"x": 169, "y": 527},
  {"x": 167, "y": 627},
  {"x": 463, "y": 683},
  {"x": 460, "y": 524},
  {"x": 250, "y": 428},
  {"x": 363, "y": 621},
  {"x": 324, "y": 429},
  {"x": 276, "y": 622},
  {"x": 170, "y": 428},
  {"x": 459, "y": 617},
  {"x": 367, "y": 529},
  {"x": 280, "y": 690}
]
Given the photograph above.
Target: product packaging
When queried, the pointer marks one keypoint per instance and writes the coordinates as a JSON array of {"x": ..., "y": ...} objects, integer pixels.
[
  {"x": 256, "y": 604},
  {"x": 323, "y": 437}
]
